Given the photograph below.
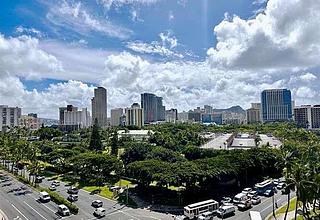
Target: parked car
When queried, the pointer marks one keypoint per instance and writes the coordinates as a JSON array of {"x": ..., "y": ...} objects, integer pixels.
[
  {"x": 252, "y": 194},
  {"x": 56, "y": 182},
  {"x": 38, "y": 179},
  {"x": 276, "y": 182},
  {"x": 246, "y": 190},
  {"x": 53, "y": 187},
  {"x": 206, "y": 216},
  {"x": 72, "y": 190},
  {"x": 72, "y": 198},
  {"x": 44, "y": 197},
  {"x": 63, "y": 210},
  {"x": 255, "y": 200},
  {"x": 99, "y": 212},
  {"x": 244, "y": 205},
  {"x": 226, "y": 200},
  {"x": 97, "y": 203},
  {"x": 224, "y": 211},
  {"x": 269, "y": 192}
]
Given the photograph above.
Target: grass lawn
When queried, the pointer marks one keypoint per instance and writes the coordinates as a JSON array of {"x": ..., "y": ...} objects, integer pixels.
[
  {"x": 105, "y": 192},
  {"x": 123, "y": 182},
  {"x": 292, "y": 206}
]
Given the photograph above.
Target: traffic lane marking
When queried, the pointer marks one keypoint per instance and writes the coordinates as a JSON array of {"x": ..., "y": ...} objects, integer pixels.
[{"x": 19, "y": 211}]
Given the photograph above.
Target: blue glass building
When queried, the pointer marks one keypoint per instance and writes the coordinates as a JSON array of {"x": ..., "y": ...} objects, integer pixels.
[{"x": 276, "y": 105}]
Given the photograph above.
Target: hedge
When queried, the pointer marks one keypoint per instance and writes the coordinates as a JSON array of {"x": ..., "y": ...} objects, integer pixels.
[{"x": 55, "y": 197}]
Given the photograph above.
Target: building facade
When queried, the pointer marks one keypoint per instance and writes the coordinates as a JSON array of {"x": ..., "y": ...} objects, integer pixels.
[
  {"x": 30, "y": 121},
  {"x": 172, "y": 115},
  {"x": 9, "y": 117},
  {"x": 307, "y": 116},
  {"x": 153, "y": 108},
  {"x": 116, "y": 116},
  {"x": 276, "y": 105},
  {"x": 99, "y": 106},
  {"x": 134, "y": 116},
  {"x": 77, "y": 119},
  {"x": 254, "y": 113}
]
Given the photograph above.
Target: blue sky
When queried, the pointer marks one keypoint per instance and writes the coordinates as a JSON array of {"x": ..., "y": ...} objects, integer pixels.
[{"x": 191, "y": 52}]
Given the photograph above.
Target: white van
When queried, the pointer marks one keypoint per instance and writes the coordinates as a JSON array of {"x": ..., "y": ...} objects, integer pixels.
[
  {"x": 206, "y": 216},
  {"x": 240, "y": 198},
  {"x": 227, "y": 210},
  {"x": 44, "y": 197}
]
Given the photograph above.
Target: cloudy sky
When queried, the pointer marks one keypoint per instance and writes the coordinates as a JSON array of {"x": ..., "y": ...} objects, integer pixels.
[{"x": 191, "y": 52}]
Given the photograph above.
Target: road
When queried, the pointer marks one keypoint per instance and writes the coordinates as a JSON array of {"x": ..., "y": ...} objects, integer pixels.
[
  {"x": 24, "y": 206},
  {"x": 27, "y": 207}
]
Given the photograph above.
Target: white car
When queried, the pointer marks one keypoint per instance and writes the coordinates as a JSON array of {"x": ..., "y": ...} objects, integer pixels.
[
  {"x": 53, "y": 187},
  {"x": 63, "y": 210},
  {"x": 281, "y": 185},
  {"x": 256, "y": 200},
  {"x": 224, "y": 211},
  {"x": 252, "y": 194},
  {"x": 246, "y": 190},
  {"x": 99, "y": 212},
  {"x": 44, "y": 197}
]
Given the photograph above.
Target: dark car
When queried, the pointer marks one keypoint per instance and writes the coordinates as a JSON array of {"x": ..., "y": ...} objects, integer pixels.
[
  {"x": 72, "y": 198},
  {"x": 97, "y": 203},
  {"x": 269, "y": 192},
  {"x": 73, "y": 190}
]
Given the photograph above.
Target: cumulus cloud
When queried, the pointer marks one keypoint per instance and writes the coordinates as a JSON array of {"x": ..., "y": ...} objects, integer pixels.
[
  {"x": 305, "y": 92},
  {"x": 308, "y": 77},
  {"x": 22, "y": 56},
  {"x": 285, "y": 35},
  {"x": 74, "y": 16}
]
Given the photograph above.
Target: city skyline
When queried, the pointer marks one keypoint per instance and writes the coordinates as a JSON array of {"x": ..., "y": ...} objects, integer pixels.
[{"x": 224, "y": 56}]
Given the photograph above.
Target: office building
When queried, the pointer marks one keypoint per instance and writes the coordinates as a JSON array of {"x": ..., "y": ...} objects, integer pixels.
[
  {"x": 99, "y": 106},
  {"x": 276, "y": 105},
  {"x": 116, "y": 116},
  {"x": 307, "y": 116},
  {"x": 153, "y": 108},
  {"x": 30, "y": 121},
  {"x": 9, "y": 117},
  {"x": 233, "y": 118},
  {"x": 208, "y": 109},
  {"x": 194, "y": 116},
  {"x": 171, "y": 115},
  {"x": 76, "y": 119},
  {"x": 254, "y": 113},
  {"x": 183, "y": 116},
  {"x": 134, "y": 116}
]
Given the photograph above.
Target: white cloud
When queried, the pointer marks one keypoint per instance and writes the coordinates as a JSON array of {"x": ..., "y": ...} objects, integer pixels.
[
  {"x": 171, "y": 16},
  {"x": 305, "y": 92},
  {"x": 164, "y": 48},
  {"x": 135, "y": 16},
  {"x": 117, "y": 3},
  {"x": 284, "y": 36},
  {"x": 74, "y": 16},
  {"x": 308, "y": 77},
  {"x": 29, "y": 31},
  {"x": 22, "y": 56}
]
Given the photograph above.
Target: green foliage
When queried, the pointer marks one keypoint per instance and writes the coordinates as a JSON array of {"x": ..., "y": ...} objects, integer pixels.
[
  {"x": 95, "y": 139},
  {"x": 46, "y": 133},
  {"x": 136, "y": 152},
  {"x": 55, "y": 197},
  {"x": 114, "y": 144}
]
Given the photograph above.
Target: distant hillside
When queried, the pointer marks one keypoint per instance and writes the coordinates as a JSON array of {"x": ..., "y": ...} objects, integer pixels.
[{"x": 234, "y": 109}]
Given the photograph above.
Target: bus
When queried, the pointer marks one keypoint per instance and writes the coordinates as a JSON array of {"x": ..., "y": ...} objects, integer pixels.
[
  {"x": 196, "y": 209},
  {"x": 264, "y": 186},
  {"x": 254, "y": 215}
]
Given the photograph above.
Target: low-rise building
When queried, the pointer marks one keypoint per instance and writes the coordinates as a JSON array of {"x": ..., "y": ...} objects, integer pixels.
[
  {"x": 138, "y": 135},
  {"x": 29, "y": 122}
]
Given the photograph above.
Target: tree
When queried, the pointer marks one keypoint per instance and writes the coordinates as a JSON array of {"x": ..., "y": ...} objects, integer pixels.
[
  {"x": 114, "y": 144},
  {"x": 95, "y": 139}
]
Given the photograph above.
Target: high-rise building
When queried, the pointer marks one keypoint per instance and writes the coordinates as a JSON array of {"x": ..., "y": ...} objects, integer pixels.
[
  {"x": 153, "y": 108},
  {"x": 208, "y": 109},
  {"x": 76, "y": 119},
  {"x": 183, "y": 116},
  {"x": 276, "y": 105},
  {"x": 9, "y": 117},
  {"x": 254, "y": 113},
  {"x": 194, "y": 116},
  {"x": 307, "y": 116},
  {"x": 99, "y": 106},
  {"x": 116, "y": 116},
  {"x": 134, "y": 115},
  {"x": 172, "y": 115}
]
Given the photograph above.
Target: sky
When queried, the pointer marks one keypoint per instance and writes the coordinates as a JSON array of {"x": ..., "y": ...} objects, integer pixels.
[{"x": 190, "y": 52}]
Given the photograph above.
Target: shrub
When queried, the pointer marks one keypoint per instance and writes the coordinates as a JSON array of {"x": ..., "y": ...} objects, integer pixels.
[{"x": 55, "y": 197}]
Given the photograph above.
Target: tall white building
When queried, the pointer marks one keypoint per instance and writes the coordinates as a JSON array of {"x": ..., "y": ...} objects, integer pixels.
[
  {"x": 9, "y": 117},
  {"x": 134, "y": 115},
  {"x": 77, "y": 119},
  {"x": 99, "y": 106},
  {"x": 116, "y": 116},
  {"x": 172, "y": 115}
]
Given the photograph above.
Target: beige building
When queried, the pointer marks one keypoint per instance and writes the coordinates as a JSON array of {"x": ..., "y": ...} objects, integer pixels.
[
  {"x": 254, "y": 113},
  {"x": 9, "y": 117},
  {"x": 116, "y": 116},
  {"x": 134, "y": 115},
  {"x": 29, "y": 122},
  {"x": 99, "y": 106}
]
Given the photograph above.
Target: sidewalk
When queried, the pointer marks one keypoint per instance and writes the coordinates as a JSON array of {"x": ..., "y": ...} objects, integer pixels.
[
  {"x": 290, "y": 216},
  {"x": 3, "y": 216}
]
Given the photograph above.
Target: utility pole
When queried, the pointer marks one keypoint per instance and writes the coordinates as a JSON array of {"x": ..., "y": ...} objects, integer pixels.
[{"x": 127, "y": 193}]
